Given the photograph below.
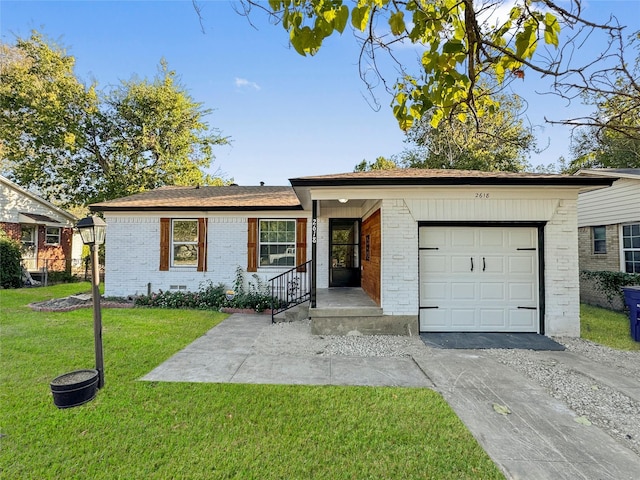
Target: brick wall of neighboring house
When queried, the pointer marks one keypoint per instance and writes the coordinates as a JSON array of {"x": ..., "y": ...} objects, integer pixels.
[
  {"x": 55, "y": 257},
  {"x": 598, "y": 262},
  {"x": 595, "y": 262},
  {"x": 12, "y": 230},
  {"x": 590, "y": 295}
]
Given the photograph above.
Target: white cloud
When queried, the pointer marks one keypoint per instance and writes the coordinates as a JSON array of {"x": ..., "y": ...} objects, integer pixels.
[{"x": 244, "y": 83}]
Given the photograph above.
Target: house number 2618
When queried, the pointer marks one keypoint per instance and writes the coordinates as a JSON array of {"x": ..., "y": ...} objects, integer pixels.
[{"x": 482, "y": 195}]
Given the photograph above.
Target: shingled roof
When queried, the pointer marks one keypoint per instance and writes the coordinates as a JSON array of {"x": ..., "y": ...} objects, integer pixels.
[
  {"x": 420, "y": 176},
  {"x": 241, "y": 198},
  {"x": 226, "y": 198}
]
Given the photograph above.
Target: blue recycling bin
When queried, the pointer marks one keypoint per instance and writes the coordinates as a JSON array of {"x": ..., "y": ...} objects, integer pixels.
[{"x": 632, "y": 299}]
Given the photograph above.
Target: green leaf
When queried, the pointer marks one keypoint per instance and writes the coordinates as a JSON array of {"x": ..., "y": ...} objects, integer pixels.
[
  {"x": 396, "y": 22},
  {"x": 360, "y": 17},
  {"x": 342, "y": 16},
  {"x": 582, "y": 421},
  {"x": 526, "y": 40},
  {"x": 437, "y": 117},
  {"x": 551, "y": 29},
  {"x": 453, "y": 47},
  {"x": 303, "y": 40},
  {"x": 501, "y": 409}
]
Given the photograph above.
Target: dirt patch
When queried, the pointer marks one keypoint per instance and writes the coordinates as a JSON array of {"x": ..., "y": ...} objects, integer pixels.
[{"x": 77, "y": 301}]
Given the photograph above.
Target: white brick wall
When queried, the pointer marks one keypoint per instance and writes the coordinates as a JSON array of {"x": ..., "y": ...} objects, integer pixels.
[
  {"x": 133, "y": 255},
  {"x": 561, "y": 272},
  {"x": 322, "y": 253},
  {"x": 399, "y": 269}
]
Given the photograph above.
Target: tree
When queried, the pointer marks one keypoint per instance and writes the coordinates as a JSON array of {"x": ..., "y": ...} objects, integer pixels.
[
  {"x": 43, "y": 109},
  {"x": 498, "y": 142},
  {"x": 613, "y": 141},
  {"x": 77, "y": 145},
  {"x": 380, "y": 163},
  {"x": 462, "y": 45}
]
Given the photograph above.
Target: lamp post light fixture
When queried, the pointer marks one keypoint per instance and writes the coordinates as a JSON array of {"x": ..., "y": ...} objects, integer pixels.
[{"x": 92, "y": 230}]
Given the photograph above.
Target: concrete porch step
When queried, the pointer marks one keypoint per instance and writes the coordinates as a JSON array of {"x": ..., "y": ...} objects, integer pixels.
[
  {"x": 295, "y": 314},
  {"x": 358, "y": 311}
]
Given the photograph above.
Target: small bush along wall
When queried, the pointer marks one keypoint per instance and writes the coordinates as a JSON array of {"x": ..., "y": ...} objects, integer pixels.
[
  {"x": 10, "y": 268},
  {"x": 254, "y": 295},
  {"x": 610, "y": 284}
]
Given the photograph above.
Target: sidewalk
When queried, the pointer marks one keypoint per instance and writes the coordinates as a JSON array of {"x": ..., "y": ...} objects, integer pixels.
[{"x": 538, "y": 439}]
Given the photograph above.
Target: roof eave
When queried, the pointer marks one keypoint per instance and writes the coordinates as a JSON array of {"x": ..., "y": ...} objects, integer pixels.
[
  {"x": 161, "y": 208},
  {"x": 449, "y": 181}
]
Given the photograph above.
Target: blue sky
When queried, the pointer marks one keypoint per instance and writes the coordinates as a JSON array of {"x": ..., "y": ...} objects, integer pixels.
[{"x": 287, "y": 115}]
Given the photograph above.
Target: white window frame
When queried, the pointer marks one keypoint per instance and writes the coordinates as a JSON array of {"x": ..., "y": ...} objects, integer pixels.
[
  {"x": 47, "y": 235},
  {"x": 623, "y": 249},
  {"x": 34, "y": 234},
  {"x": 175, "y": 244},
  {"x": 594, "y": 240},
  {"x": 290, "y": 247}
]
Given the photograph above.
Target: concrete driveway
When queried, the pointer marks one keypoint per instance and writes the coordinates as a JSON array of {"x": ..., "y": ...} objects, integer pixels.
[{"x": 538, "y": 439}]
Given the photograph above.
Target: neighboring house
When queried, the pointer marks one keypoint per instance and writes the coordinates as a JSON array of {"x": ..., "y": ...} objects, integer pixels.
[
  {"x": 609, "y": 230},
  {"x": 44, "y": 230},
  {"x": 437, "y": 250}
]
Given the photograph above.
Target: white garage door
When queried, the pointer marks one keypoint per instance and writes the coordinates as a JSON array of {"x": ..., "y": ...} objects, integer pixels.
[{"x": 478, "y": 279}]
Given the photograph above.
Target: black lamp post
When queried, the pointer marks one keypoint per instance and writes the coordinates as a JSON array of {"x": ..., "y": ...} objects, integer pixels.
[{"x": 92, "y": 231}]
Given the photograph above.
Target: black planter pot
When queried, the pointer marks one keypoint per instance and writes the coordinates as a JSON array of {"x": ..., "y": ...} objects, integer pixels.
[{"x": 74, "y": 388}]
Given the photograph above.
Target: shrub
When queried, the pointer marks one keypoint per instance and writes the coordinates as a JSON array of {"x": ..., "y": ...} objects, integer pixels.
[
  {"x": 254, "y": 295},
  {"x": 610, "y": 283},
  {"x": 10, "y": 258},
  {"x": 61, "y": 277}
]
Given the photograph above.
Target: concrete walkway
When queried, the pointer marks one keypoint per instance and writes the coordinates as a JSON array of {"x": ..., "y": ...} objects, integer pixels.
[
  {"x": 226, "y": 354},
  {"x": 538, "y": 439}
]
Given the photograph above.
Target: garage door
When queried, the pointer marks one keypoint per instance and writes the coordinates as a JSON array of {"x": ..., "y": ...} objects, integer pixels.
[{"x": 478, "y": 279}]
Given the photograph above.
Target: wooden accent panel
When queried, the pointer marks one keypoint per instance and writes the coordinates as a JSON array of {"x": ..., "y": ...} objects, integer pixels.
[
  {"x": 370, "y": 253},
  {"x": 301, "y": 243},
  {"x": 165, "y": 242},
  {"x": 202, "y": 244},
  {"x": 252, "y": 245}
]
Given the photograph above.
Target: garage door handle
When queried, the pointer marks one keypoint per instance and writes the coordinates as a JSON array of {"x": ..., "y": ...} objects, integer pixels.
[
  {"x": 527, "y": 308},
  {"x": 471, "y": 258},
  {"x": 484, "y": 264}
]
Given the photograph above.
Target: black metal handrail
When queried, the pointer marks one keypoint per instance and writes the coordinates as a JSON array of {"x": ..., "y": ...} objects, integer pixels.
[{"x": 290, "y": 288}]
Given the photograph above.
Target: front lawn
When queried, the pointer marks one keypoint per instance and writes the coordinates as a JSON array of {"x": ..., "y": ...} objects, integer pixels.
[
  {"x": 152, "y": 430},
  {"x": 606, "y": 327}
]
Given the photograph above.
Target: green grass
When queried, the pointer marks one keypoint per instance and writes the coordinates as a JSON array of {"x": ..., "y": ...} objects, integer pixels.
[
  {"x": 606, "y": 328},
  {"x": 152, "y": 430}
]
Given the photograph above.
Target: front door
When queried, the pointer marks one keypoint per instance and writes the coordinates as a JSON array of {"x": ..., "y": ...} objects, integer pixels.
[
  {"x": 29, "y": 240},
  {"x": 344, "y": 251}
]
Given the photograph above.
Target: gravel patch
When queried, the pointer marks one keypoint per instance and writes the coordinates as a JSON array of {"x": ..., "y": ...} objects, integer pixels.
[
  {"x": 609, "y": 409},
  {"x": 295, "y": 338}
]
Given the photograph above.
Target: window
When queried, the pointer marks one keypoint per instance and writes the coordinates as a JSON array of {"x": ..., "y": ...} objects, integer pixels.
[
  {"x": 184, "y": 243},
  {"x": 277, "y": 243},
  {"x": 631, "y": 247},
  {"x": 53, "y": 236},
  {"x": 28, "y": 235},
  {"x": 599, "y": 235}
]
